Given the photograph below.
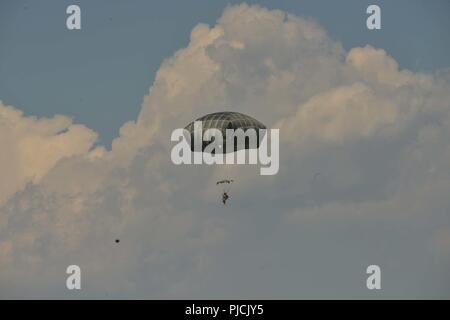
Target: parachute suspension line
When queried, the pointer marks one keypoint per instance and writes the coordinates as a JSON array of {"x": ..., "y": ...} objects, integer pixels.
[{"x": 227, "y": 188}]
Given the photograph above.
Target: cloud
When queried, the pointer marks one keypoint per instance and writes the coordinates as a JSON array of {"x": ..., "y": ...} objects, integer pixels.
[
  {"x": 377, "y": 135},
  {"x": 30, "y": 147}
]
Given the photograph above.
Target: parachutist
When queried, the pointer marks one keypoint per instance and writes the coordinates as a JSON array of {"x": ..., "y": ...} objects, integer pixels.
[
  {"x": 225, "y": 197},
  {"x": 227, "y": 185}
]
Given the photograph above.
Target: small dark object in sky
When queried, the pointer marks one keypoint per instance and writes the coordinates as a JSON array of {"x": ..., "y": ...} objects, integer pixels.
[
  {"x": 316, "y": 175},
  {"x": 117, "y": 240}
]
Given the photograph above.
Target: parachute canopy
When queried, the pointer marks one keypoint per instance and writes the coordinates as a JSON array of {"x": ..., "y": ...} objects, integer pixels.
[
  {"x": 224, "y": 181},
  {"x": 223, "y": 121},
  {"x": 224, "y": 185}
]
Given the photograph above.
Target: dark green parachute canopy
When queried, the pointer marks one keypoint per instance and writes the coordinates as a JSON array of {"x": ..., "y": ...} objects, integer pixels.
[{"x": 223, "y": 121}]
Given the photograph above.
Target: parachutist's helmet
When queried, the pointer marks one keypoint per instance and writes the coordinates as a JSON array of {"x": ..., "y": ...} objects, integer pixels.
[{"x": 223, "y": 121}]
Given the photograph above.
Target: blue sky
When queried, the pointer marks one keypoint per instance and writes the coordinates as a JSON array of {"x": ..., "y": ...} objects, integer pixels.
[{"x": 99, "y": 75}]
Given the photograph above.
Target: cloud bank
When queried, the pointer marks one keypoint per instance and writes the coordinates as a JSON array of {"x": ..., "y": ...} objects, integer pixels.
[{"x": 364, "y": 178}]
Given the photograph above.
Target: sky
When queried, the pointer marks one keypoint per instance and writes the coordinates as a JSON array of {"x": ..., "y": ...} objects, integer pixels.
[
  {"x": 99, "y": 75},
  {"x": 85, "y": 123}
]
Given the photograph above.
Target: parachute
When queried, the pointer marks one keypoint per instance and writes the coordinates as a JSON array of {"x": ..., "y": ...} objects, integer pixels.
[
  {"x": 223, "y": 121},
  {"x": 224, "y": 181},
  {"x": 225, "y": 185}
]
